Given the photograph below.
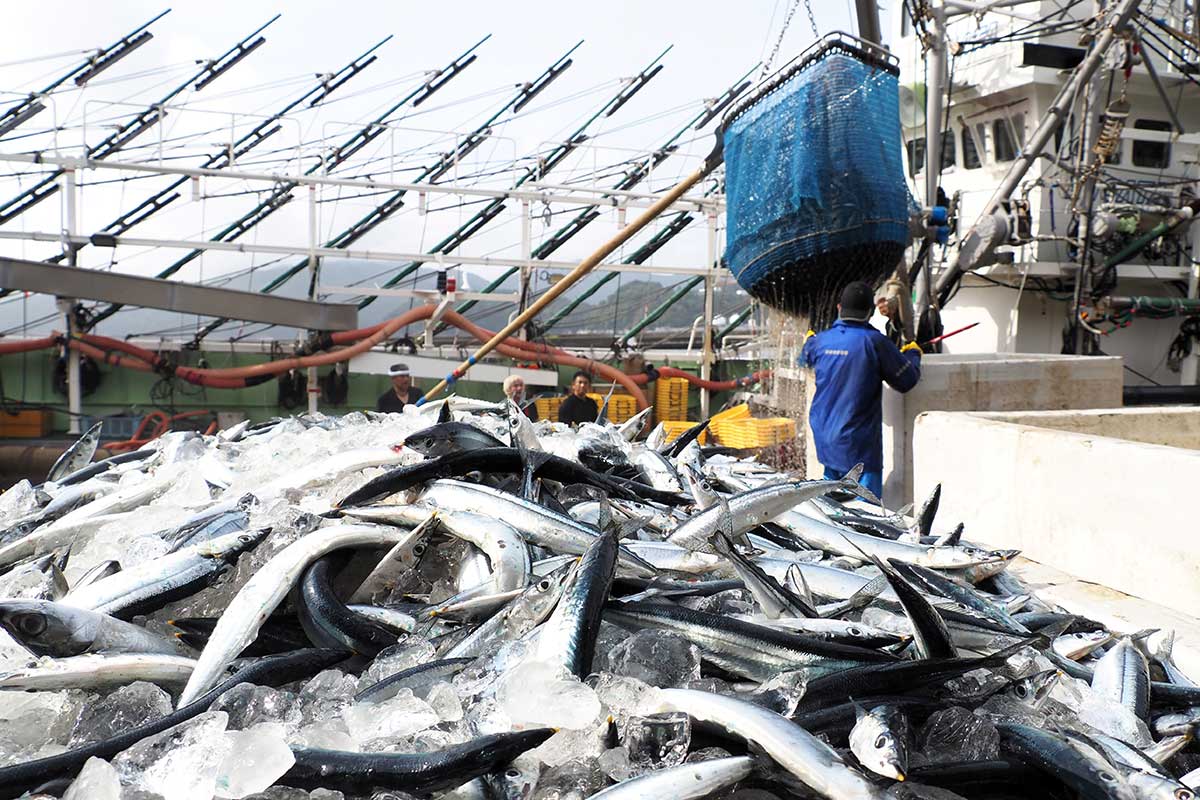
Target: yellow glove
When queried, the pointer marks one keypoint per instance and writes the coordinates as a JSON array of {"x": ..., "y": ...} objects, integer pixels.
[
  {"x": 811, "y": 333},
  {"x": 912, "y": 346}
]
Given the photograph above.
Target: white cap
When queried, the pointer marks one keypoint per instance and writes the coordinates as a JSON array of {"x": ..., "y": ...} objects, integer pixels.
[{"x": 398, "y": 369}]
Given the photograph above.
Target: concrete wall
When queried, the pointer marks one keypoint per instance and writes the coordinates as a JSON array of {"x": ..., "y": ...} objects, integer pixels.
[
  {"x": 983, "y": 382},
  {"x": 1113, "y": 511}
]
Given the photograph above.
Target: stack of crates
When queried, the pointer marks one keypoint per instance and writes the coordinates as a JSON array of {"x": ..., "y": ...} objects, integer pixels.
[
  {"x": 675, "y": 428},
  {"x": 547, "y": 407},
  {"x": 620, "y": 406},
  {"x": 751, "y": 434},
  {"x": 671, "y": 399},
  {"x": 726, "y": 417}
]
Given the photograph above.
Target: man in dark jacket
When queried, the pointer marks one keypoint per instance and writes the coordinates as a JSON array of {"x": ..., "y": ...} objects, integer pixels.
[
  {"x": 850, "y": 361},
  {"x": 578, "y": 407},
  {"x": 402, "y": 393}
]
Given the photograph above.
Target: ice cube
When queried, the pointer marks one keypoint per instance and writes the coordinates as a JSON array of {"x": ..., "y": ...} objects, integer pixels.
[
  {"x": 328, "y": 736},
  {"x": 398, "y": 716},
  {"x": 257, "y": 757},
  {"x": 615, "y": 764},
  {"x": 96, "y": 781},
  {"x": 33, "y": 720},
  {"x": 956, "y": 734},
  {"x": 180, "y": 763},
  {"x": 537, "y": 693},
  {"x": 625, "y": 697},
  {"x": 444, "y": 700},
  {"x": 17, "y": 501},
  {"x": 657, "y": 741},
  {"x": 569, "y": 745},
  {"x": 132, "y": 705},
  {"x": 573, "y": 780},
  {"x": 326, "y": 695},
  {"x": 248, "y": 705},
  {"x": 658, "y": 658}
]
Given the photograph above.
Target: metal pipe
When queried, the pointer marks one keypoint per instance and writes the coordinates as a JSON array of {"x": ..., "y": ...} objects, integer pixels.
[
  {"x": 709, "y": 290},
  {"x": 1122, "y": 12},
  {"x": 868, "y": 21},
  {"x": 1189, "y": 372},
  {"x": 935, "y": 61},
  {"x": 74, "y": 386},
  {"x": 585, "y": 266}
]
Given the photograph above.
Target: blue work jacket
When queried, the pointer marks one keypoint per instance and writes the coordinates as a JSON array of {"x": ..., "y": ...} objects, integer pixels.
[{"x": 851, "y": 360}]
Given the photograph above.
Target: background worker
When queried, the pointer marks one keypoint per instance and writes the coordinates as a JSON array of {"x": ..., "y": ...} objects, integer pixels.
[
  {"x": 851, "y": 361},
  {"x": 402, "y": 393},
  {"x": 578, "y": 407},
  {"x": 514, "y": 389}
]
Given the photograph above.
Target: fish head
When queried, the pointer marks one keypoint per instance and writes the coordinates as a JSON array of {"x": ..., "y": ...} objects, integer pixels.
[
  {"x": 45, "y": 628},
  {"x": 1034, "y": 690},
  {"x": 703, "y": 492},
  {"x": 878, "y": 741},
  {"x": 540, "y": 598},
  {"x": 1148, "y": 786},
  {"x": 429, "y": 442}
]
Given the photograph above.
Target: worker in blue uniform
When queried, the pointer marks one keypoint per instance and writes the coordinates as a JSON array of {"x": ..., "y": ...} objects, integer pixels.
[{"x": 850, "y": 361}]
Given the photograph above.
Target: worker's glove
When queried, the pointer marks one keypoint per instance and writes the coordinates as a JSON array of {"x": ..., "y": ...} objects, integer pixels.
[
  {"x": 811, "y": 333},
  {"x": 912, "y": 346}
]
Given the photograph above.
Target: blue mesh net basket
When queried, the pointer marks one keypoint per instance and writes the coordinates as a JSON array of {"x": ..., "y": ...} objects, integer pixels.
[{"x": 815, "y": 188}]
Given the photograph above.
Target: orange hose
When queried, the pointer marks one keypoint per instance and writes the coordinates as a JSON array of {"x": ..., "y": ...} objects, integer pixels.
[
  {"x": 101, "y": 348},
  {"x": 30, "y": 345}
]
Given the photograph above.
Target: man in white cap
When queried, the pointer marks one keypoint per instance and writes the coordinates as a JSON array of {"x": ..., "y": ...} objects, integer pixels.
[{"x": 401, "y": 394}]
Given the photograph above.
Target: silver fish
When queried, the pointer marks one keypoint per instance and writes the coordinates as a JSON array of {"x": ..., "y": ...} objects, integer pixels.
[
  {"x": 879, "y": 740},
  {"x": 807, "y": 758},
  {"x": 684, "y": 782},
  {"x": 52, "y": 629},
  {"x": 263, "y": 593},
  {"x": 99, "y": 671},
  {"x": 78, "y": 455}
]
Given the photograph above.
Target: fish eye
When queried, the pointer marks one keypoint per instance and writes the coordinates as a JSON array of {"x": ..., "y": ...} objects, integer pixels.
[
  {"x": 512, "y": 773},
  {"x": 31, "y": 624},
  {"x": 855, "y": 631},
  {"x": 1107, "y": 776},
  {"x": 881, "y": 742},
  {"x": 544, "y": 585},
  {"x": 1184, "y": 794},
  {"x": 1021, "y": 690}
]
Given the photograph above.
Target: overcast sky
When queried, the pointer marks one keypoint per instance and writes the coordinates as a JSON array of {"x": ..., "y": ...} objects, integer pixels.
[{"x": 713, "y": 44}]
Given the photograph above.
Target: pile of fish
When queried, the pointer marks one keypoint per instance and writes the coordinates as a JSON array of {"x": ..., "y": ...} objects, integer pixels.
[{"x": 456, "y": 602}]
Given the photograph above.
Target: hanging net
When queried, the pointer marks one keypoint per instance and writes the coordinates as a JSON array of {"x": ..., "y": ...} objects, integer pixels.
[{"x": 815, "y": 189}]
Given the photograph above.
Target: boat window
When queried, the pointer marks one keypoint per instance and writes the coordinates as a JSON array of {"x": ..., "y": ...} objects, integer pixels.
[
  {"x": 971, "y": 159},
  {"x": 1018, "y": 128},
  {"x": 1003, "y": 146},
  {"x": 949, "y": 155},
  {"x": 916, "y": 155},
  {"x": 1155, "y": 155}
]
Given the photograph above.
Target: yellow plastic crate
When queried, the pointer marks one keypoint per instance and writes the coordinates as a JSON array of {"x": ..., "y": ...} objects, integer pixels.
[
  {"x": 728, "y": 415},
  {"x": 675, "y": 428},
  {"x": 748, "y": 434},
  {"x": 620, "y": 406},
  {"x": 547, "y": 407},
  {"x": 671, "y": 399}
]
